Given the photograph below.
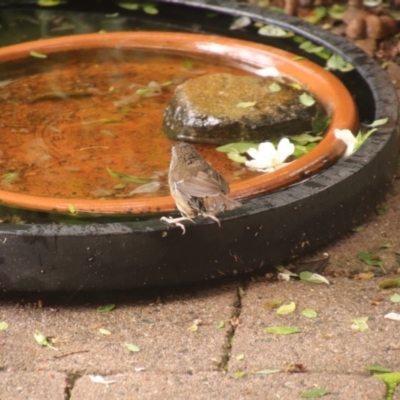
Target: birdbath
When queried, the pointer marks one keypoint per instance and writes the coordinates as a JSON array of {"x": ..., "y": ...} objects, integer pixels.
[{"x": 80, "y": 238}]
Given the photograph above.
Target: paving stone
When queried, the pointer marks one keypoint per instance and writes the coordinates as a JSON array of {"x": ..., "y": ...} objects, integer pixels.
[
  {"x": 18, "y": 385},
  {"x": 161, "y": 331},
  {"x": 326, "y": 344},
  {"x": 216, "y": 385}
]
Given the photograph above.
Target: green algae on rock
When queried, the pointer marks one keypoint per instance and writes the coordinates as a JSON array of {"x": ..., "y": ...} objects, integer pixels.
[{"x": 223, "y": 108}]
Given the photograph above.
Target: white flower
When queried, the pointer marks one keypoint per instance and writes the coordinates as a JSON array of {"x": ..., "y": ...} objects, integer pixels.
[
  {"x": 348, "y": 138},
  {"x": 267, "y": 158}
]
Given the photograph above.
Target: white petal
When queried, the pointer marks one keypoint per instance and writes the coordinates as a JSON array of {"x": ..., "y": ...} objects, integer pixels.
[
  {"x": 267, "y": 149},
  {"x": 393, "y": 316},
  {"x": 285, "y": 149},
  {"x": 348, "y": 138},
  {"x": 253, "y": 153},
  {"x": 100, "y": 379}
]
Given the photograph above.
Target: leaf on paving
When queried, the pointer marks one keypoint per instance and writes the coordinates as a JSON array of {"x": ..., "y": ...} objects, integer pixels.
[
  {"x": 220, "y": 324},
  {"x": 394, "y": 298},
  {"x": 358, "y": 229},
  {"x": 239, "y": 374},
  {"x": 240, "y": 357},
  {"x": 104, "y": 331},
  {"x": 359, "y": 324},
  {"x": 387, "y": 245},
  {"x": 381, "y": 210},
  {"x": 283, "y": 277},
  {"x": 100, "y": 379},
  {"x": 132, "y": 347},
  {"x": 267, "y": 371},
  {"x": 105, "y": 309},
  {"x": 314, "y": 393},
  {"x": 309, "y": 313},
  {"x": 365, "y": 275},
  {"x": 393, "y": 316},
  {"x": 377, "y": 368},
  {"x": 42, "y": 340},
  {"x": 240, "y": 22},
  {"x": 241, "y": 292},
  {"x": 3, "y": 326},
  {"x": 315, "y": 265},
  {"x": 286, "y": 308},
  {"x": 313, "y": 278},
  {"x": 389, "y": 284},
  {"x": 273, "y": 303},
  {"x": 370, "y": 259},
  {"x": 392, "y": 378},
  {"x": 282, "y": 330}
]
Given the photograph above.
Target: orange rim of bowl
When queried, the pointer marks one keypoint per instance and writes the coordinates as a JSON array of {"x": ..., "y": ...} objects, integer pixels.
[{"x": 323, "y": 85}]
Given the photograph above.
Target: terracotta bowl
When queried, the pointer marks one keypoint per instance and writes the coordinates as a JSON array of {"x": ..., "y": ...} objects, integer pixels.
[{"x": 243, "y": 55}]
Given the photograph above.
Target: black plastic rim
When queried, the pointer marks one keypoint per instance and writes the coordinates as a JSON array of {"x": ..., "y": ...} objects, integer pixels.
[{"x": 264, "y": 232}]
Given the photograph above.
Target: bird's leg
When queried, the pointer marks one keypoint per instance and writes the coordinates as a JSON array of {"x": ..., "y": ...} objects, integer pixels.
[
  {"x": 213, "y": 217},
  {"x": 176, "y": 222}
]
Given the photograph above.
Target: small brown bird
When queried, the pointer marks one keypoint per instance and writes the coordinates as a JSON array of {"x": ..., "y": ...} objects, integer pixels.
[{"x": 197, "y": 188}]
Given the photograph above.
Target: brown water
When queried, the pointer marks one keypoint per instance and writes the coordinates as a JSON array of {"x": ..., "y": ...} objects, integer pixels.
[{"x": 66, "y": 118}]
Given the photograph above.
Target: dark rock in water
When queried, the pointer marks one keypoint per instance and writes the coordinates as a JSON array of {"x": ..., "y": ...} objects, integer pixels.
[{"x": 225, "y": 108}]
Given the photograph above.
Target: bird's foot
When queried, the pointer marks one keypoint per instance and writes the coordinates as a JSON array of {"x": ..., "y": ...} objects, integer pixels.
[
  {"x": 176, "y": 222},
  {"x": 213, "y": 217}
]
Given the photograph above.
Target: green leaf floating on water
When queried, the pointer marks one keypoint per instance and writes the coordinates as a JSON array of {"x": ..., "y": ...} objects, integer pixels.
[
  {"x": 281, "y": 330},
  {"x": 314, "y": 393},
  {"x": 307, "y": 100},
  {"x": 50, "y": 3},
  {"x": 274, "y": 31},
  {"x": 127, "y": 178},
  {"x": 128, "y": 6},
  {"x": 239, "y": 147},
  {"x": 305, "y": 138}
]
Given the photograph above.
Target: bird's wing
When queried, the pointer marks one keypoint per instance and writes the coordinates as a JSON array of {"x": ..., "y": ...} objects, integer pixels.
[{"x": 201, "y": 185}]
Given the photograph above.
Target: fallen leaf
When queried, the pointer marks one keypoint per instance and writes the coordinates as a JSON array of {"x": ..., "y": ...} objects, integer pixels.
[
  {"x": 274, "y": 31},
  {"x": 273, "y": 303},
  {"x": 132, "y": 347},
  {"x": 377, "y": 368},
  {"x": 105, "y": 309},
  {"x": 267, "y": 371},
  {"x": 42, "y": 340},
  {"x": 282, "y": 330},
  {"x": 286, "y": 309},
  {"x": 240, "y": 357},
  {"x": 360, "y": 324},
  {"x": 358, "y": 229},
  {"x": 100, "y": 379},
  {"x": 370, "y": 259},
  {"x": 394, "y": 298},
  {"x": 36, "y": 54},
  {"x": 366, "y": 275},
  {"x": 306, "y": 99},
  {"x": 381, "y": 210},
  {"x": 104, "y": 331},
  {"x": 313, "y": 278},
  {"x": 240, "y": 22},
  {"x": 3, "y": 326},
  {"x": 309, "y": 313},
  {"x": 246, "y": 104},
  {"x": 239, "y": 374},
  {"x": 314, "y": 393},
  {"x": 389, "y": 284},
  {"x": 220, "y": 324}
]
